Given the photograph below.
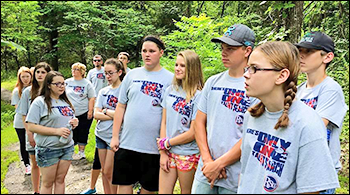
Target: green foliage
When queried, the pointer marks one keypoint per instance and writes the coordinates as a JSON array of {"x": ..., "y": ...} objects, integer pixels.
[{"x": 7, "y": 114}]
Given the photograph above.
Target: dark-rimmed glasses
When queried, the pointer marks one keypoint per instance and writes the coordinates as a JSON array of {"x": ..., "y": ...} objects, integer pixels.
[
  {"x": 59, "y": 84},
  {"x": 253, "y": 69},
  {"x": 110, "y": 73},
  {"x": 97, "y": 60}
]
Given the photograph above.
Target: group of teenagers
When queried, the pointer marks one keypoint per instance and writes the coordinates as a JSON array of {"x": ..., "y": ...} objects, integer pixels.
[{"x": 249, "y": 129}]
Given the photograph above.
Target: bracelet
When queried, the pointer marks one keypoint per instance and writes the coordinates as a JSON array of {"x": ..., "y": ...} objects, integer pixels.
[{"x": 164, "y": 144}]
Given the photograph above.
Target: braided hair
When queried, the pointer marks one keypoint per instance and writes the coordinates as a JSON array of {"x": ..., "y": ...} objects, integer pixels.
[{"x": 282, "y": 55}]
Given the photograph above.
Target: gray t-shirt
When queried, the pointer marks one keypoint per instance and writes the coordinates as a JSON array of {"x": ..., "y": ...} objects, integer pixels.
[
  {"x": 22, "y": 110},
  {"x": 79, "y": 92},
  {"x": 143, "y": 91},
  {"x": 107, "y": 98},
  {"x": 97, "y": 78},
  {"x": 60, "y": 115},
  {"x": 179, "y": 116},
  {"x": 288, "y": 160},
  {"x": 327, "y": 98},
  {"x": 224, "y": 101},
  {"x": 17, "y": 122}
]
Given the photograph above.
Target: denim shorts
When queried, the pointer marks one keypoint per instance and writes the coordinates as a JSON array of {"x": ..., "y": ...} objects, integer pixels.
[
  {"x": 46, "y": 157},
  {"x": 100, "y": 144},
  {"x": 203, "y": 188}
]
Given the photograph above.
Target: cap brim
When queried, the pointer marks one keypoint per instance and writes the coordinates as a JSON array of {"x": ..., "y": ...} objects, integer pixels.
[
  {"x": 308, "y": 46},
  {"x": 226, "y": 40}
]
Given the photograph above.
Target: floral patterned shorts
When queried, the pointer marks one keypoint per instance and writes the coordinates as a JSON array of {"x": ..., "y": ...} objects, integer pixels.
[{"x": 183, "y": 162}]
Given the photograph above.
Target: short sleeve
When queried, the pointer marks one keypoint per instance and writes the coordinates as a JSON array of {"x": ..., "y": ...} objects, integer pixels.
[
  {"x": 315, "y": 169},
  {"x": 15, "y": 97},
  {"x": 195, "y": 105},
  {"x": 331, "y": 106},
  {"x": 23, "y": 104},
  {"x": 166, "y": 93},
  {"x": 123, "y": 94},
  {"x": 36, "y": 111},
  {"x": 99, "y": 103},
  {"x": 203, "y": 100}
]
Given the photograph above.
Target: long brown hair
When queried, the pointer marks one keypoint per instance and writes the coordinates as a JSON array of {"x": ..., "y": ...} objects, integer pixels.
[
  {"x": 46, "y": 91},
  {"x": 19, "y": 83},
  {"x": 193, "y": 80},
  {"x": 35, "y": 91},
  {"x": 282, "y": 55}
]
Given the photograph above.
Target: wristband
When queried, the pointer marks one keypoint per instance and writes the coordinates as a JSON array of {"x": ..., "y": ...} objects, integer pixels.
[{"x": 164, "y": 144}]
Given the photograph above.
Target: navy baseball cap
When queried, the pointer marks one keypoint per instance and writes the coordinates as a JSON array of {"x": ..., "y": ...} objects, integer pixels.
[
  {"x": 316, "y": 40},
  {"x": 237, "y": 35}
]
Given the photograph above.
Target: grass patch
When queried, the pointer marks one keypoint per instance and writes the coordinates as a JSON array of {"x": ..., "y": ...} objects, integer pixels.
[
  {"x": 8, "y": 137},
  {"x": 9, "y": 84}
]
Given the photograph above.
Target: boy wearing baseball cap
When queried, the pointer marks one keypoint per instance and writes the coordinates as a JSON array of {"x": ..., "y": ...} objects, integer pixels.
[
  {"x": 219, "y": 119},
  {"x": 320, "y": 91}
]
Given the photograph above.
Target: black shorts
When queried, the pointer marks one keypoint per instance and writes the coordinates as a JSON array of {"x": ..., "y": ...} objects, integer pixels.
[
  {"x": 131, "y": 166},
  {"x": 96, "y": 165},
  {"x": 81, "y": 132}
]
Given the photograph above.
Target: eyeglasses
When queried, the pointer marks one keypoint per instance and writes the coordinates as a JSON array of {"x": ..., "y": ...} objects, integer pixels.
[
  {"x": 253, "y": 69},
  {"x": 97, "y": 60},
  {"x": 59, "y": 84},
  {"x": 110, "y": 73},
  {"x": 76, "y": 69}
]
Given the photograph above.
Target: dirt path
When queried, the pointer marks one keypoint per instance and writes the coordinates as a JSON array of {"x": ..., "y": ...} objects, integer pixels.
[{"x": 77, "y": 179}]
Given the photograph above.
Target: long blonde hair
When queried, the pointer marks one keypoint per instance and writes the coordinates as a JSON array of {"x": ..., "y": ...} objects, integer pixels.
[
  {"x": 193, "y": 80},
  {"x": 282, "y": 55},
  {"x": 19, "y": 83}
]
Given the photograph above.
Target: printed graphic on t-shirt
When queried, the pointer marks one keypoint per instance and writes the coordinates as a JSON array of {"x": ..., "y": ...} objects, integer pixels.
[
  {"x": 152, "y": 89},
  {"x": 183, "y": 108},
  {"x": 112, "y": 100},
  {"x": 100, "y": 76},
  {"x": 64, "y": 110},
  {"x": 270, "y": 151},
  {"x": 234, "y": 99},
  {"x": 312, "y": 102},
  {"x": 270, "y": 184}
]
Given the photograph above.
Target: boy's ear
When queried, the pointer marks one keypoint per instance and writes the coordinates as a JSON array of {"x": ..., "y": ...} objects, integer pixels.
[
  {"x": 248, "y": 51},
  {"x": 328, "y": 58}
]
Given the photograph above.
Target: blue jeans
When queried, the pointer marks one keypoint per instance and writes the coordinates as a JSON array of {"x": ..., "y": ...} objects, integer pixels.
[
  {"x": 46, "y": 157},
  {"x": 329, "y": 191},
  {"x": 203, "y": 188},
  {"x": 100, "y": 144}
]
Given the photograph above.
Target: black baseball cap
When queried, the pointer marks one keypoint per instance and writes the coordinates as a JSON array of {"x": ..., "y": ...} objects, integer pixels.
[
  {"x": 316, "y": 40},
  {"x": 237, "y": 35}
]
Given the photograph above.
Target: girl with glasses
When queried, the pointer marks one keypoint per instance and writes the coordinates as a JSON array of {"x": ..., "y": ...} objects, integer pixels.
[
  {"x": 106, "y": 103},
  {"x": 282, "y": 150},
  {"x": 50, "y": 117}
]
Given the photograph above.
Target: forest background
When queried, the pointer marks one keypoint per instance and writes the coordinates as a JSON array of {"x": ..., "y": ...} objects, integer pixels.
[{"x": 62, "y": 33}]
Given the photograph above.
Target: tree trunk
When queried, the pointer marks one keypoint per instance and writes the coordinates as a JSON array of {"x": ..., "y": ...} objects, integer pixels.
[
  {"x": 223, "y": 9},
  {"x": 200, "y": 8},
  {"x": 294, "y": 21},
  {"x": 28, "y": 56},
  {"x": 53, "y": 38}
]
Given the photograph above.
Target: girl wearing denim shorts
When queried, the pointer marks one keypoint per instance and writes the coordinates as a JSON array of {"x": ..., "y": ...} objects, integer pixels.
[
  {"x": 28, "y": 95},
  {"x": 51, "y": 118},
  {"x": 106, "y": 103},
  {"x": 139, "y": 108},
  {"x": 179, "y": 153}
]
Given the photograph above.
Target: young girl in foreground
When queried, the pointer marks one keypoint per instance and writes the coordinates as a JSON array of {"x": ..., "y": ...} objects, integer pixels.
[
  {"x": 284, "y": 146},
  {"x": 50, "y": 116},
  {"x": 179, "y": 153}
]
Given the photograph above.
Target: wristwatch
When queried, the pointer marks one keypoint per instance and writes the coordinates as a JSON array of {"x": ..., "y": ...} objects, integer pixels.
[{"x": 104, "y": 111}]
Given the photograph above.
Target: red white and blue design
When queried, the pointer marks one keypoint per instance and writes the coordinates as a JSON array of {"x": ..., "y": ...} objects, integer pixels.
[
  {"x": 112, "y": 101},
  {"x": 152, "y": 89},
  {"x": 180, "y": 105},
  {"x": 270, "y": 184},
  {"x": 234, "y": 99},
  {"x": 270, "y": 151},
  {"x": 64, "y": 110},
  {"x": 78, "y": 89},
  {"x": 100, "y": 76},
  {"x": 312, "y": 102}
]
